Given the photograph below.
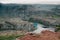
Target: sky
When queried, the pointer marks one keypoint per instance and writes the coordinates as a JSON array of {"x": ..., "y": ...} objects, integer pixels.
[{"x": 31, "y": 1}]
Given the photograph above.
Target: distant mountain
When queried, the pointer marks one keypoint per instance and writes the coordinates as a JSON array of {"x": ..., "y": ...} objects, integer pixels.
[{"x": 15, "y": 10}]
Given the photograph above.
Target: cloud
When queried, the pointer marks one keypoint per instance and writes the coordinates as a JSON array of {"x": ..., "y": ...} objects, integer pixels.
[{"x": 31, "y": 1}]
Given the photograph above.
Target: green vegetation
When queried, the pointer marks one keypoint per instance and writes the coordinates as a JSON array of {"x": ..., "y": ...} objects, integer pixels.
[
  {"x": 45, "y": 23},
  {"x": 39, "y": 21},
  {"x": 57, "y": 27},
  {"x": 11, "y": 37},
  {"x": 56, "y": 16}
]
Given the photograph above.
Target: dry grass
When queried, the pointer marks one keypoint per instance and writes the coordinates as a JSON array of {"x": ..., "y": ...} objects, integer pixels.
[{"x": 10, "y": 35}]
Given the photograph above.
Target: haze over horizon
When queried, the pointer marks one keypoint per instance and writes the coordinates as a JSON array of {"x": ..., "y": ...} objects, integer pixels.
[{"x": 31, "y": 1}]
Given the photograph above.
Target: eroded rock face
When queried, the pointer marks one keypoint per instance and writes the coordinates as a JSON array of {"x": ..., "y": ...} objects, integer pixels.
[{"x": 44, "y": 35}]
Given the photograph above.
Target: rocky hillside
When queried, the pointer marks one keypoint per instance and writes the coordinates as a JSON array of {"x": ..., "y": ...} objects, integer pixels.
[
  {"x": 44, "y": 35},
  {"x": 42, "y": 13}
]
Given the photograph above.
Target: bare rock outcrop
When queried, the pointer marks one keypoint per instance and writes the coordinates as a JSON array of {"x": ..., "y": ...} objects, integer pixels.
[{"x": 45, "y": 35}]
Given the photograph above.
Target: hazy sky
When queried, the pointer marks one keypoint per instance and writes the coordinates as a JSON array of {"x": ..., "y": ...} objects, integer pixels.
[{"x": 31, "y": 1}]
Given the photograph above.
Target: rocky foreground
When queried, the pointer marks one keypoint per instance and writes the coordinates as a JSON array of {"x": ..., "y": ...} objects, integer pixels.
[{"x": 44, "y": 35}]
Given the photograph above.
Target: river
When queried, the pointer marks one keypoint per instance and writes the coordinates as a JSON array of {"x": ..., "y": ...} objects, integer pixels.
[{"x": 40, "y": 28}]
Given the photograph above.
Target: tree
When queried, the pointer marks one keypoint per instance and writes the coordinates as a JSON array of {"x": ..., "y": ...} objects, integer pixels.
[
  {"x": 57, "y": 27},
  {"x": 1, "y": 26}
]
